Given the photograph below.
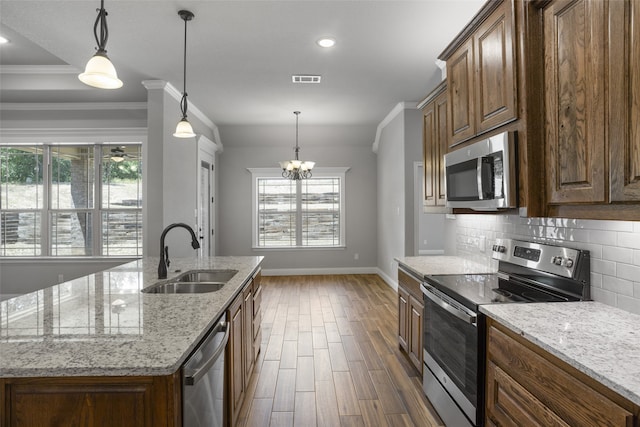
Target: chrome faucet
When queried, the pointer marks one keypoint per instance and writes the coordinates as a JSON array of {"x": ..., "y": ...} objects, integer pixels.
[{"x": 164, "y": 250}]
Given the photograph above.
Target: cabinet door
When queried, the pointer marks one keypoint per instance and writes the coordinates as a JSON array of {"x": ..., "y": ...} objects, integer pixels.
[
  {"x": 624, "y": 101},
  {"x": 495, "y": 88},
  {"x": 247, "y": 333},
  {"x": 403, "y": 318},
  {"x": 415, "y": 332},
  {"x": 508, "y": 403},
  {"x": 574, "y": 40},
  {"x": 440, "y": 148},
  {"x": 460, "y": 82},
  {"x": 234, "y": 358},
  {"x": 88, "y": 401},
  {"x": 429, "y": 153}
]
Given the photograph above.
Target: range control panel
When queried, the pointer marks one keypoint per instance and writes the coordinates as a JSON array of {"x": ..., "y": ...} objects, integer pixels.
[{"x": 550, "y": 258}]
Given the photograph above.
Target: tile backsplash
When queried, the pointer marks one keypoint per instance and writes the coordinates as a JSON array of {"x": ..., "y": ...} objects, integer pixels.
[{"x": 614, "y": 247}]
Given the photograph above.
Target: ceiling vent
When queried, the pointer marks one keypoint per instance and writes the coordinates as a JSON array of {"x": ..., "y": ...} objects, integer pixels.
[{"x": 305, "y": 79}]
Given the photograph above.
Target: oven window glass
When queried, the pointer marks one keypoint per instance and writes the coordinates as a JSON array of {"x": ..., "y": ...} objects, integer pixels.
[
  {"x": 462, "y": 181},
  {"x": 453, "y": 344}
]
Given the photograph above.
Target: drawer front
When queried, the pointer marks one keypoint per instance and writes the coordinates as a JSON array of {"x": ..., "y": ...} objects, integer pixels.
[
  {"x": 410, "y": 284},
  {"x": 568, "y": 397},
  {"x": 508, "y": 403}
]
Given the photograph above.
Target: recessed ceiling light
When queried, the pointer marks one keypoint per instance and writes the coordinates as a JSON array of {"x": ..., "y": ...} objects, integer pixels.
[
  {"x": 326, "y": 42},
  {"x": 3, "y": 40}
]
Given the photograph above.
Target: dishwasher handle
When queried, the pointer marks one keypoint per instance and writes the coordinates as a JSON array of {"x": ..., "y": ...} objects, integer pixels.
[{"x": 193, "y": 375}]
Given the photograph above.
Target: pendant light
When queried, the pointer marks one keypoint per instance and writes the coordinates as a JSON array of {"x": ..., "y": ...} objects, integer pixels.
[
  {"x": 184, "y": 129},
  {"x": 295, "y": 169},
  {"x": 99, "y": 71}
]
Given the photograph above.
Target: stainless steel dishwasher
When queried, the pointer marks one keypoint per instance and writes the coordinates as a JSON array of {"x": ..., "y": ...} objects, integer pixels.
[{"x": 203, "y": 380}]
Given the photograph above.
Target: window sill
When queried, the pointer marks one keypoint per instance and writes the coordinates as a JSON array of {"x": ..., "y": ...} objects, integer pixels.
[{"x": 296, "y": 248}]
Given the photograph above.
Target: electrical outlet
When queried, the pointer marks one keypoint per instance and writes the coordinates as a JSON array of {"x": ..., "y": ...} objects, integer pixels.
[
  {"x": 356, "y": 256},
  {"x": 424, "y": 242}
]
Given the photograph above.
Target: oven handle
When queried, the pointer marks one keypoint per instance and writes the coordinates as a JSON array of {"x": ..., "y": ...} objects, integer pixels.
[{"x": 472, "y": 320}]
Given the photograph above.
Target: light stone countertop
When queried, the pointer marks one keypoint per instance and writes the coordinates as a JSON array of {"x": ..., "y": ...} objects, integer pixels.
[
  {"x": 598, "y": 340},
  {"x": 102, "y": 325},
  {"x": 442, "y": 264}
]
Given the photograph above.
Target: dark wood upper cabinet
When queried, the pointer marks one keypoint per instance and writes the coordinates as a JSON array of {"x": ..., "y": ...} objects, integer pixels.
[
  {"x": 624, "y": 101},
  {"x": 460, "y": 78},
  {"x": 435, "y": 145},
  {"x": 574, "y": 34},
  {"x": 592, "y": 108},
  {"x": 494, "y": 58},
  {"x": 481, "y": 73}
]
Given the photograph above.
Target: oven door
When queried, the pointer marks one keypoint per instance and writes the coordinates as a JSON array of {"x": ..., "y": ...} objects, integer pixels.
[{"x": 451, "y": 350}]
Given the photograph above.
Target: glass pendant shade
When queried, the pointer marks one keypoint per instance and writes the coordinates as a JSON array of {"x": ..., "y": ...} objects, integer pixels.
[
  {"x": 100, "y": 73},
  {"x": 184, "y": 129}
]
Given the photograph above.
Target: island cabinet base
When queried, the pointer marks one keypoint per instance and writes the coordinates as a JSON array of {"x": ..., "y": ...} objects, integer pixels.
[
  {"x": 528, "y": 386},
  {"x": 91, "y": 401}
]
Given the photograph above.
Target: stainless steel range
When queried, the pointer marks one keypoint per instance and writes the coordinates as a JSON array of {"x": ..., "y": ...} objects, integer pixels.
[{"x": 454, "y": 353}]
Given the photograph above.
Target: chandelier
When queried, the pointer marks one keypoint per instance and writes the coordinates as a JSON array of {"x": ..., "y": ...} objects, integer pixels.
[{"x": 296, "y": 169}]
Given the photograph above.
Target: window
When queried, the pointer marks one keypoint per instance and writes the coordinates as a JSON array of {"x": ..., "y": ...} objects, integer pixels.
[
  {"x": 71, "y": 200},
  {"x": 307, "y": 213}
]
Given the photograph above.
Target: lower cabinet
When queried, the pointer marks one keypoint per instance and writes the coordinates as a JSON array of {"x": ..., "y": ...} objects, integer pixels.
[
  {"x": 244, "y": 316},
  {"x": 528, "y": 386},
  {"x": 91, "y": 401},
  {"x": 410, "y": 308}
]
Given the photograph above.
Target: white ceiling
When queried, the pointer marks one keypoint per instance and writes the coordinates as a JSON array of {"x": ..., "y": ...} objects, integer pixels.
[{"x": 241, "y": 54}]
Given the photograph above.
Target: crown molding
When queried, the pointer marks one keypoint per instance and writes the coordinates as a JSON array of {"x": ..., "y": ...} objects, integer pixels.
[
  {"x": 38, "y": 69},
  {"x": 30, "y": 135},
  {"x": 400, "y": 107},
  {"x": 71, "y": 106}
]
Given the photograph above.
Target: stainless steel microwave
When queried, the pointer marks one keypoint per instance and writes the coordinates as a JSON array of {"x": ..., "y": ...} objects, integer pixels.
[{"x": 482, "y": 176}]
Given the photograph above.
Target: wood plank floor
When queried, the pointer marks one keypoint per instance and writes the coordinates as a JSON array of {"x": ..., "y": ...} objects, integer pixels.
[{"x": 330, "y": 357}]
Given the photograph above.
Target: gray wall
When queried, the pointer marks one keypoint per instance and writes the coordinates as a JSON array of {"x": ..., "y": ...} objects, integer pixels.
[
  {"x": 391, "y": 196},
  {"x": 412, "y": 153},
  {"x": 614, "y": 248},
  {"x": 329, "y": 146}
]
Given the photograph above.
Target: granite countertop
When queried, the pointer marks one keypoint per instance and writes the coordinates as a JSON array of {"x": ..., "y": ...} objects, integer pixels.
[
  {"x": 443, "y": 264},
  {"x": 597, "y": 339},
  {"x": 102, "y": 325}
]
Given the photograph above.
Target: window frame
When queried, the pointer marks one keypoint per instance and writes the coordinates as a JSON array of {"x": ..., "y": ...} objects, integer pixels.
[
  {"x": 271, "y": 173},
  {"x": 96, "y": 211}
]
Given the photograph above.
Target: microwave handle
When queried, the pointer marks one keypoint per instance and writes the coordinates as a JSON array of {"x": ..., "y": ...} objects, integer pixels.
[{"x": 479, "y": 178}]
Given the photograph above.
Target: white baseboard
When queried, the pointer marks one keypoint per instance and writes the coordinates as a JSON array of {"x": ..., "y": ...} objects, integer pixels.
[
  {"x": 317, "y": 271},
  {"x": 393, "y": 284},
  {"x": 431, "y": 252}
]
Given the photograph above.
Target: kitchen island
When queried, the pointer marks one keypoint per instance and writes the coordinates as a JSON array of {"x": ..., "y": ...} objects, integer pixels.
[{"x": 100, "y": 336}]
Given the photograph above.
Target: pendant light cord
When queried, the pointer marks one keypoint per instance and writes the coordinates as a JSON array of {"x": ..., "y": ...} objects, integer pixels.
[
  {"x": 297, "y": 113},
  {"x": 183, "y": 101},
  {"x": 104, "y": 31}
]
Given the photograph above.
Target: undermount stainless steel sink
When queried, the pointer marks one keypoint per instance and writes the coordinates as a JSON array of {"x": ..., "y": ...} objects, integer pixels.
[
  {"x": 193, "y": 282},
  {"x": 199, "y": 276},
  {"x": 183, "y": 288}
]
